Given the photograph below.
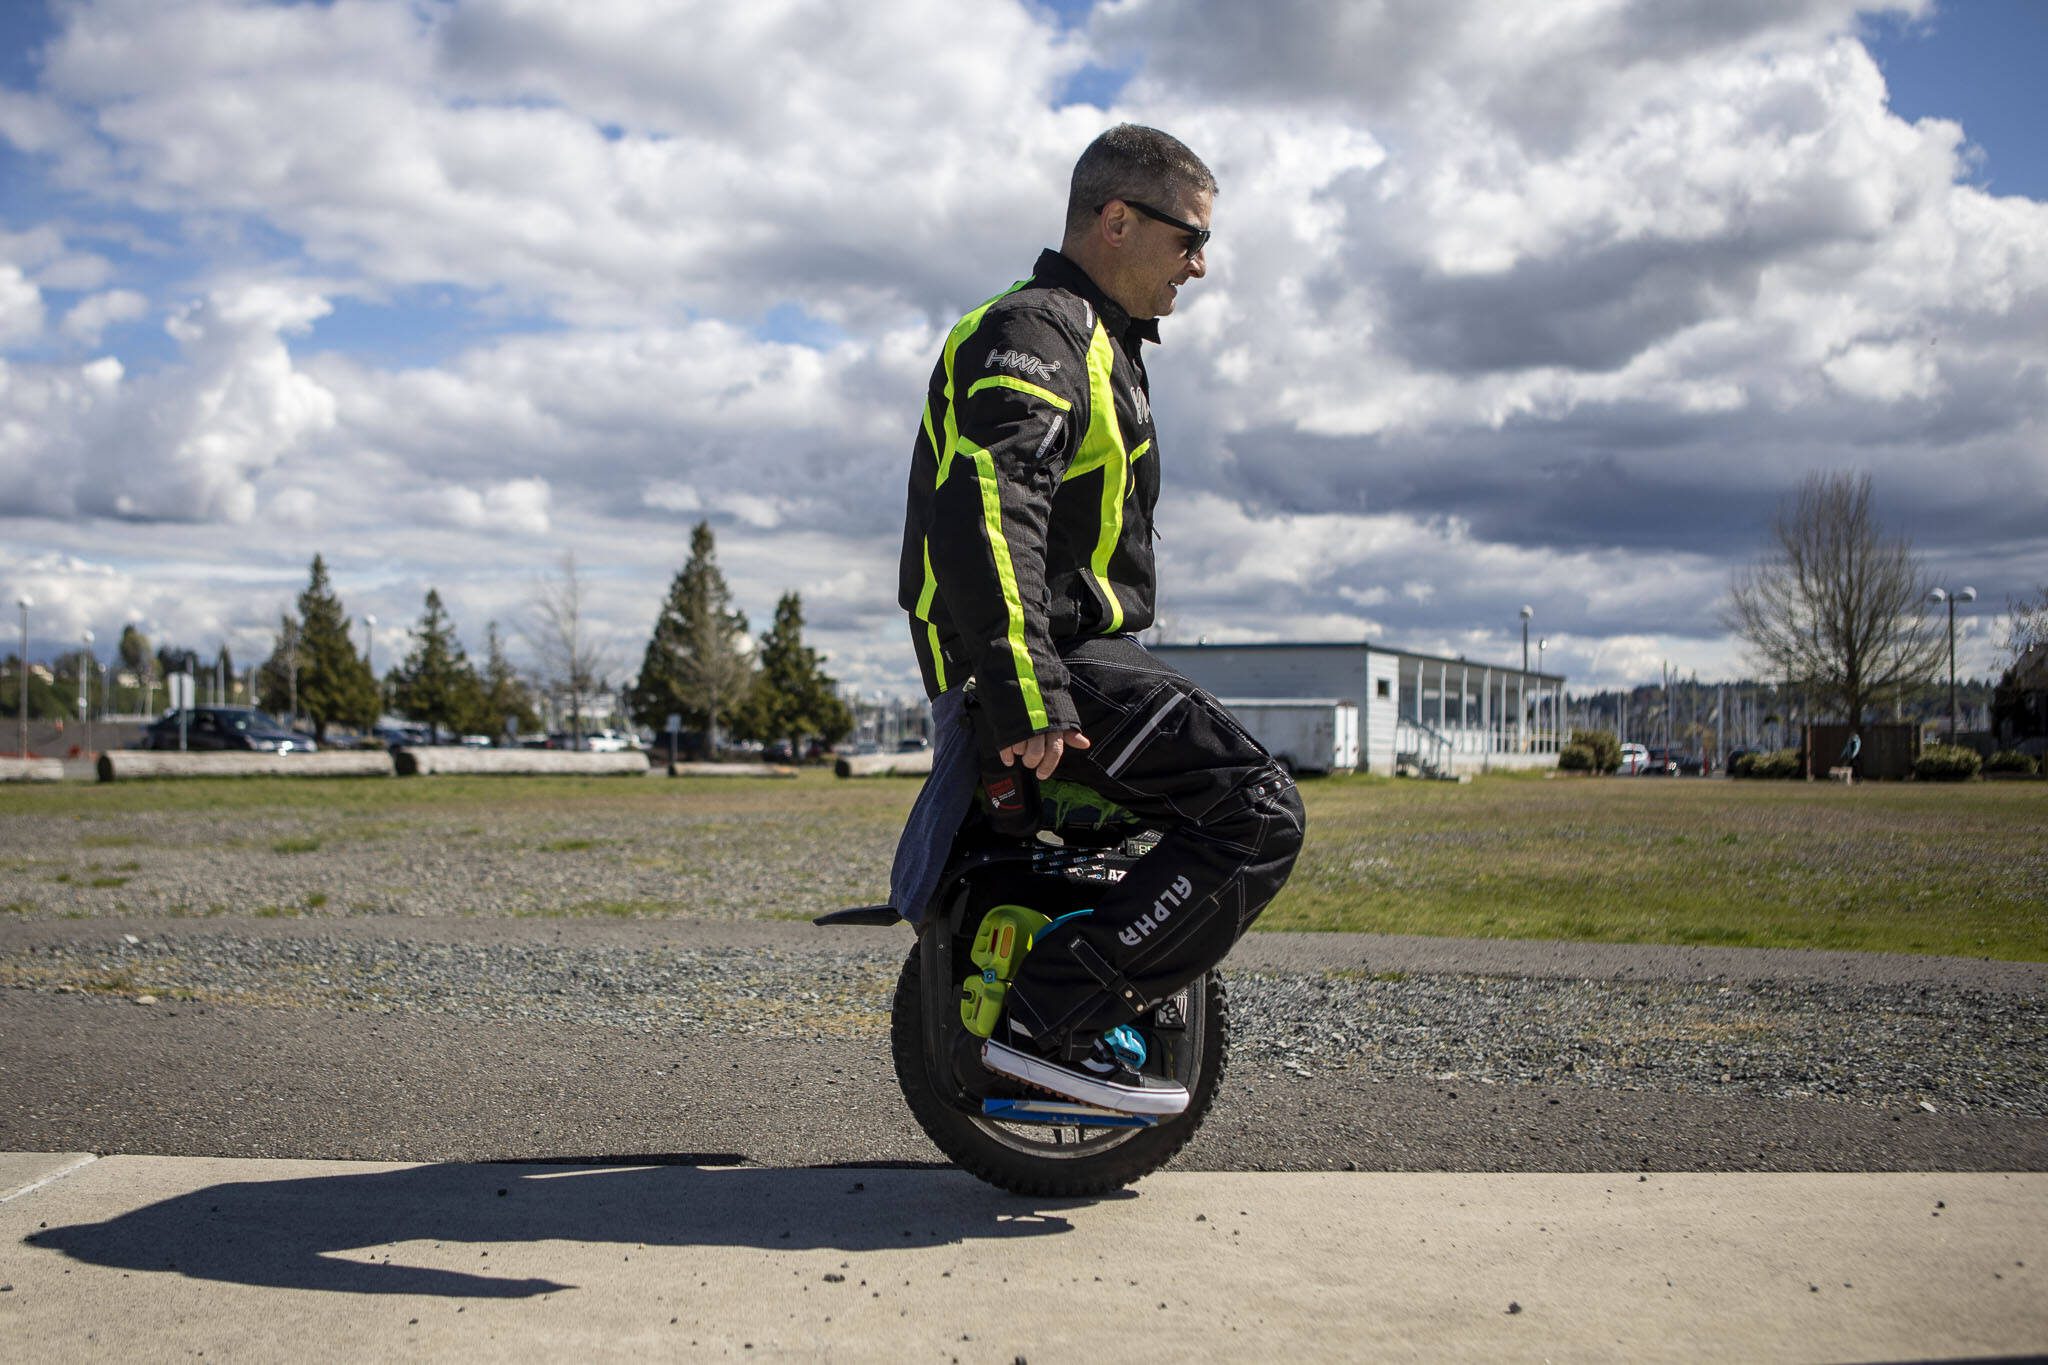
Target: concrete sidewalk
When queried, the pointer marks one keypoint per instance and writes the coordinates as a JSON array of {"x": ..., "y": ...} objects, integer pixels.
[{"x": 158, "y": 1256}]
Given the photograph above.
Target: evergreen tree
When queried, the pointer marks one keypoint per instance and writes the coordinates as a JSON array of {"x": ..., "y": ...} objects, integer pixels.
[
  {"x": 697, "y": 664},
  {"x": 793, "y": 697},
  {"x": 503, "y": 696},
  {"x": 135, "y": 654},
  {"x": 435, "y": 684},
  {"x": 173, "y": 659},
  {"x": 335, "y": 685}
]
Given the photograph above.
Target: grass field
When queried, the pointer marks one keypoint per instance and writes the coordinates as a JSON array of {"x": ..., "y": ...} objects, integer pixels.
[{"x": 1952, "y": 869}]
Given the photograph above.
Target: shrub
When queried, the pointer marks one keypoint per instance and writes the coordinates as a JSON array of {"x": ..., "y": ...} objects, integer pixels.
[
  {"x": 1947, "y": 763},
  {"x": 2005, "y": 761},
  {"x": 1782, "y": 763},
  {"x": 1603, "y": 748},
  {"x": 1575, "y": 758}
]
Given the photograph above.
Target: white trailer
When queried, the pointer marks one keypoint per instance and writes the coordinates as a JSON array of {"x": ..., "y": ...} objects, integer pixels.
[{"x": 1309, "y": 735}]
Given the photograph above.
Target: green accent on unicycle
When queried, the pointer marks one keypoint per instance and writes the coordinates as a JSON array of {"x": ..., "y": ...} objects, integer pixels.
[
  {"x": 1070, "y": 803},
  {"x": 999, "y": 946}
]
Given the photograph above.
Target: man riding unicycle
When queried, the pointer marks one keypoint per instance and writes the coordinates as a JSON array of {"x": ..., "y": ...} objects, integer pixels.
[{"x": 1027, "y": 571}]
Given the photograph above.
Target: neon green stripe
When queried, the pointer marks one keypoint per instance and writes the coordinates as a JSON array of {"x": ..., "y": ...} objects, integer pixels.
[
  {"x": 962, "y": 330},
  {"x": 1004, "y": 381},
  {"x": 1136, "y": 455},
  {"x": 1105, "y": 444},
  {"x": 924, "y": 614},
  {"x": 931, "y": 584},
  {"x": 1006, "y": 574}
]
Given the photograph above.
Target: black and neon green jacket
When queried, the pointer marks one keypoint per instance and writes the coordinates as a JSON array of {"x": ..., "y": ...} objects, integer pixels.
[{"x": 1031, "y": 492}]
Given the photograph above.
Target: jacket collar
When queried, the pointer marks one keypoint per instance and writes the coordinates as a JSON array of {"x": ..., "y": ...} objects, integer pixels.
[{"x": 1057, "y": 269}]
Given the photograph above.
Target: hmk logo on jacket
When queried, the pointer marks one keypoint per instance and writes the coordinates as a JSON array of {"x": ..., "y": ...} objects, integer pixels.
[
  {"x": 1024, "y": 363},
  {"x": 1162, "y": 910}
]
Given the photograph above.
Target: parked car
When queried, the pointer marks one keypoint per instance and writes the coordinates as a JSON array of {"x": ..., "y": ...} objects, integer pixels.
[
  {"x": 1634, "y": 758},
  {"x": 400, "y": 736},
  {"x": 242, "y": 728},
  {"x": 916, "y": 744},
  {"x": 1659, "y": 762}
]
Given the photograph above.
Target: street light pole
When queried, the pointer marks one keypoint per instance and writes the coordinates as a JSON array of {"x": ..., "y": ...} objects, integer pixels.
[
  {"x": 370, "y": 661},
  {"x": 1527, "y": 612},
  {"x": 85, "y": 692},
  {"x": 1938, "y": 595}
]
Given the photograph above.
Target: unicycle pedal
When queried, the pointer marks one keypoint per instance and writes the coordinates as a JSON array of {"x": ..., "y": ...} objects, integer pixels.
[
  {"x": 999, "y": 947},
  {"x": 1063, "y": 1112}
]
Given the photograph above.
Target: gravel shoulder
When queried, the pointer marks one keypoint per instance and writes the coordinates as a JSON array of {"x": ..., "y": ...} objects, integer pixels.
[
  {"x": 456, "y": 1038},
  {"x": 106, "y": 1076}
]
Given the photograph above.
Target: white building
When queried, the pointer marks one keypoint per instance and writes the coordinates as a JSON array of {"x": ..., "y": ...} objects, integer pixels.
[{"x": 1418, "y": 711}]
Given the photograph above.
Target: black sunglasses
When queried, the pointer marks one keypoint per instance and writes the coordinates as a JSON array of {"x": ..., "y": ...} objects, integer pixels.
[{"x": 1198, "y": 237}]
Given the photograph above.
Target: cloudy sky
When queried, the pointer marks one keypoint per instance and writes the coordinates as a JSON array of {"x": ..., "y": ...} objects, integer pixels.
[{"x": 1507, "y": 303}]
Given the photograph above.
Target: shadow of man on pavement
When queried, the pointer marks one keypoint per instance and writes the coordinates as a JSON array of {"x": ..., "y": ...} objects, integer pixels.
[{"x": 298, "y": 1233}]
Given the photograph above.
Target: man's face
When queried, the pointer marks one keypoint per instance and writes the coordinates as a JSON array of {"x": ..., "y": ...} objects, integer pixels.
[{"x": 1156, "y": 260}]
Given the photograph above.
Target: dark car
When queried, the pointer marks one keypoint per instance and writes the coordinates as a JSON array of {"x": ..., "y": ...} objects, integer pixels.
[
  {"x": 1660, "y": 763},
  {"x": 226, "y": 727}
]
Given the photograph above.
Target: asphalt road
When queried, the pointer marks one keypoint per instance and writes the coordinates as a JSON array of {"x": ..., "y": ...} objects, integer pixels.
[{"x": 102, "y": 1074}]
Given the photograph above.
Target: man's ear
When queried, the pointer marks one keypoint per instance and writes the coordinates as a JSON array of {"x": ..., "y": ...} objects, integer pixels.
[{"x": 1115, "y": 223}]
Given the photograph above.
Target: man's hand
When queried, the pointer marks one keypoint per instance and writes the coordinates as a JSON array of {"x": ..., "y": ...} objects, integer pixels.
[{"x": 1042, "y": 752}]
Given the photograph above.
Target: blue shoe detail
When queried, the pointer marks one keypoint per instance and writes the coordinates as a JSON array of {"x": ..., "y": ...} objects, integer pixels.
[{"x": 1128, "y": 1044}]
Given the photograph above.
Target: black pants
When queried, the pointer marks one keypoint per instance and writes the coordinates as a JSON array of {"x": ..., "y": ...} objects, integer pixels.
[{"x": 1232, "y": 822}]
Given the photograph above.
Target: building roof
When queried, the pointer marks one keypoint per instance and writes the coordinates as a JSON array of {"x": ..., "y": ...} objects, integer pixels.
[{"x": 1366, "y": 645}]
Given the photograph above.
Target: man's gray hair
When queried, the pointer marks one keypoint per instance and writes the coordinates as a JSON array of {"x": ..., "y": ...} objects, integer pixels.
[{"x": 1129, "y": 162}]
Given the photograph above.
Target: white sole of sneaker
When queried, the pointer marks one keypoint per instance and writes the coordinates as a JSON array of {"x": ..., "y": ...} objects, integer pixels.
[{"x": 1156, "y": 1101}]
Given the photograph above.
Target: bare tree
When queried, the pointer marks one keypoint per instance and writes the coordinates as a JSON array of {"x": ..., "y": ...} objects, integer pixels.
[
  {"x": 571, "y": 649},
  {"x": 2027, "y": 622},
  {"x": 1837, "y": 602}
]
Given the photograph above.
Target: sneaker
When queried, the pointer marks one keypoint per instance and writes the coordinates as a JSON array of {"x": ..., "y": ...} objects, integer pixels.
[{"x": 1103, "y": 1078}]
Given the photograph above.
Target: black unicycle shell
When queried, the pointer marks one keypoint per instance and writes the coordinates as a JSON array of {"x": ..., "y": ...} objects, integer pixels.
[{"x": 962, "y": 1137}]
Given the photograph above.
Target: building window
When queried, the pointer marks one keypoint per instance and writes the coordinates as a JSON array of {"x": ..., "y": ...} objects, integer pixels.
[{"x": 1386, "y": 687}]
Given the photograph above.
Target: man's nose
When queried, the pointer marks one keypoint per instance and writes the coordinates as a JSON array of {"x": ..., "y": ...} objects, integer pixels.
[{"x": 1198, "y": 264}]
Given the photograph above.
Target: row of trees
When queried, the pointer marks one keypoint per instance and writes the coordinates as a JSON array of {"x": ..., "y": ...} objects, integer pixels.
[{"x": 700, "y": 665}]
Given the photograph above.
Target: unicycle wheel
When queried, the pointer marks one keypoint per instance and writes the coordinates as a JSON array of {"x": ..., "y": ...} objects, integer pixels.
[{"x": 1061, "y": 1159}]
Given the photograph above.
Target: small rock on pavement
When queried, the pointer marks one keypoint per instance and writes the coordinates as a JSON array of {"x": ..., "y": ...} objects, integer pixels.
[{"x": 145, "y": 1000}]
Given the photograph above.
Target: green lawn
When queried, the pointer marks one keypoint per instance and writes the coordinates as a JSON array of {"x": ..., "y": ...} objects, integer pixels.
[{"x": 1952, "y": 869}]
